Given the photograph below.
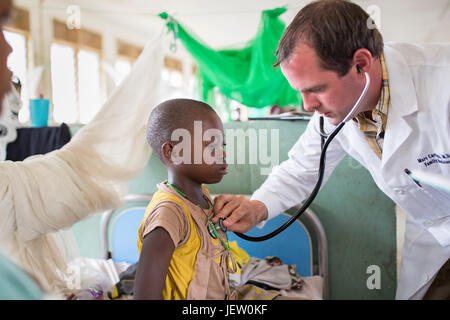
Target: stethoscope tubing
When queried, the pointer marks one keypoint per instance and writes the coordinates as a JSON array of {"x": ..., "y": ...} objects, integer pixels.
[
  {"x": 325, "y": 142},
  {"x": 310, "y": 199}
]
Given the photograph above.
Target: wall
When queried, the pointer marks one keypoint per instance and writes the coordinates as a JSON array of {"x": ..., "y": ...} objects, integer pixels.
[{"x": 358, "y": 218}]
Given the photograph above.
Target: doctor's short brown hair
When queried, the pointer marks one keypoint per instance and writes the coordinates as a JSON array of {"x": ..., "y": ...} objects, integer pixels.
[{"x": 335, "y": 29}]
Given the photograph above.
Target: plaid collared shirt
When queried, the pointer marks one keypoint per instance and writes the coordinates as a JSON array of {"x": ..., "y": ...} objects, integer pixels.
[{"x": 374, "y": 129}]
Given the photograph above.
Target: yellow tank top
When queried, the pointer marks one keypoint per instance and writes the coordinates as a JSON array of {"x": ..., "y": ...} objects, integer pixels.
[{"x": 182, "y": 265}]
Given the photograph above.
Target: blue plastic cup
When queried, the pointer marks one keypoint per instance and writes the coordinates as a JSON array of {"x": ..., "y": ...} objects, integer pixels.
[{"x": 39, "y": 112}]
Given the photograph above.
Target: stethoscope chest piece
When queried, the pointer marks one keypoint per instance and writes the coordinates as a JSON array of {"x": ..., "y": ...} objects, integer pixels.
[{"x": 212, "y": 228}]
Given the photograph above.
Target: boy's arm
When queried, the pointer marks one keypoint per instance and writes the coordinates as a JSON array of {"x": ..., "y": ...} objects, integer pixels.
[{"x": 156, "y": 253}]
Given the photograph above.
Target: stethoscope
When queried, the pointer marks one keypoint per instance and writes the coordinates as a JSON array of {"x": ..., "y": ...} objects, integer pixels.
[{"x": 325, "y": 142}]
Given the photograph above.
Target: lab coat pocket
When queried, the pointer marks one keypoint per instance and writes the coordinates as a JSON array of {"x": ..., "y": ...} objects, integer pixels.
[
  {"x": 437, "y": 218},
  {"x": 439, "y": 202},
  {"x": 440, "y": 230}
]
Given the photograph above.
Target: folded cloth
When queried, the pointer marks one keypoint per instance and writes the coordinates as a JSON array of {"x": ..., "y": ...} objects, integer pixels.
[
  {"x": 270, "y": 273},
  {"x": 252, "y": 292}
]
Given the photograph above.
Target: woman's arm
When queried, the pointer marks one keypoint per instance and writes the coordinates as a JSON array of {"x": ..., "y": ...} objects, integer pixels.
[{"x": 156, "y": 253}]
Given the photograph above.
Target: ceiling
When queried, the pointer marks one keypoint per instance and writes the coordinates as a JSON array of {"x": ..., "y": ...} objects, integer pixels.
[{"x": 227, "y": 23}]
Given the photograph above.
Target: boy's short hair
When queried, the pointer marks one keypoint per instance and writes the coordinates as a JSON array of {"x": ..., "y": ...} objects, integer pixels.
[{"x": 171, "y": 115}]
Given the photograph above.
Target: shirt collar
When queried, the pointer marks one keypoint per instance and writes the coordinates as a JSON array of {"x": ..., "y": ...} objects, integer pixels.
[{"x": 379, "y": 113}]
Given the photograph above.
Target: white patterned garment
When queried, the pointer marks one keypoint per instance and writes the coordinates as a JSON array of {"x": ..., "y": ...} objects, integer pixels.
[{"x": 45, "y": 194}]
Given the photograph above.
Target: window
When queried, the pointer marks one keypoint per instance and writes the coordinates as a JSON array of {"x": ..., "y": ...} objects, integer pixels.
[
  {"x": 172, "y": 72},
  {"x": 88, "y": 84},
  {"x": 76, "y": 84},
  {"x": 17, "y": 63},
  {"x": 75, "y": 68},
  {"x": 174, "y": 85},
  {"x": 126, "y": 56},
  {"x": 122, "y": 68},
  {"x": 17, "y": 32},
  {"x": 63, "y": 83},
  {"x": 173, "y": 78}
]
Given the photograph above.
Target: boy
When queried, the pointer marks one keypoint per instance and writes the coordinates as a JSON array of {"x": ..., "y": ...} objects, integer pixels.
[{"x": 179, "y": 258}]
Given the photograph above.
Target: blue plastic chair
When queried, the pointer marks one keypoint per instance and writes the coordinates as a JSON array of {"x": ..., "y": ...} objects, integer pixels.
[
  {"x": 124, "y": 235},
  {"x": 292, "y": 246}
]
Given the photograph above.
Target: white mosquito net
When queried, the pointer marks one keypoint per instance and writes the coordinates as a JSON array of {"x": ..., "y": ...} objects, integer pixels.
[{"x": 43, "y": 195}]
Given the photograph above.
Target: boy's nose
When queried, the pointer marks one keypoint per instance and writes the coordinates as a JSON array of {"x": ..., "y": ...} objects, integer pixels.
[{"x": 223, "y": 155}]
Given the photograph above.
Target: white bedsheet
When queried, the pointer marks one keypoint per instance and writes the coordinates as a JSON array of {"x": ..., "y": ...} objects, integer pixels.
[{"x": 86, "y": 273}]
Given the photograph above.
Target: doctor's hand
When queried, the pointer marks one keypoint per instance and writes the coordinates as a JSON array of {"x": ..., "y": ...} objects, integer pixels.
[{"x": 241, "y": 214}]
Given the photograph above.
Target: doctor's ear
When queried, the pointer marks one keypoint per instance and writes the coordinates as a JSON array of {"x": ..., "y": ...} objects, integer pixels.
[{"x": 363, "y": 59}]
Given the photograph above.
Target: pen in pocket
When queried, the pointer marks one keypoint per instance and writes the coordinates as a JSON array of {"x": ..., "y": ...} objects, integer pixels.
[
  {"x": 408, "y": 172},
  {"x": 435, "y": 180}
]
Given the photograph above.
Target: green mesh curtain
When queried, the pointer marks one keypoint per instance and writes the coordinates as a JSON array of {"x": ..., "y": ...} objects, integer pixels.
[{"x": 244, "y": 74}]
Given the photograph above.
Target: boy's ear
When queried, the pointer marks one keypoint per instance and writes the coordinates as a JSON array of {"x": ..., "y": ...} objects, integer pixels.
[{"x": 166, "y": 151}]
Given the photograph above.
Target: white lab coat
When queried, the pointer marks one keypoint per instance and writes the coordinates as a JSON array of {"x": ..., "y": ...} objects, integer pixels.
[{"x": 417, "y": 137}]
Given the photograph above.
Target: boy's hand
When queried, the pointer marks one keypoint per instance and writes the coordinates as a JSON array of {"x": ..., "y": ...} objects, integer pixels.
[{"x": 240, "y": 213}]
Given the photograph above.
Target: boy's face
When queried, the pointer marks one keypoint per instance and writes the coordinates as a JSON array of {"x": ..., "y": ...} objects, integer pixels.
[{"x": 206, "y": 162}]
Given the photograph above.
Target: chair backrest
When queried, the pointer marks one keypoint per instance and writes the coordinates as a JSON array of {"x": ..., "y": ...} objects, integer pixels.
[
  {"x": 124, "y": 235},
  {"x": 292, "y": 246},
  {"x": 124, "y": 229}
]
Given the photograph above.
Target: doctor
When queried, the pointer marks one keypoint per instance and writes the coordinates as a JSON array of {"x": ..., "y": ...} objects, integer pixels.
[{"x": 404, "y": 123}]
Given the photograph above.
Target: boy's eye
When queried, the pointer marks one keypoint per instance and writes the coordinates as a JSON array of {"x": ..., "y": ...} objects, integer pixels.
[{"x": 215, "y": 145}]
